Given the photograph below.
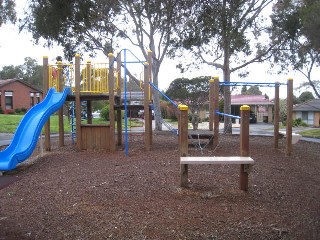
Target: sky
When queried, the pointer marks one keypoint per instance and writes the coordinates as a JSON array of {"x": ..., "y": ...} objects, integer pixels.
[{"x": 15, "y": 46}]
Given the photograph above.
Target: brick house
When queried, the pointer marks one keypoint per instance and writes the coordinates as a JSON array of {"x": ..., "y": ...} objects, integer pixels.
[
  {"x": 309, "y": 112},
  {"x": 17, "y": 94}
]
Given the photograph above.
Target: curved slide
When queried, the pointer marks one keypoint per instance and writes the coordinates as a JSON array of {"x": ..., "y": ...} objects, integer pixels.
[{"x": 26, "y": 136}]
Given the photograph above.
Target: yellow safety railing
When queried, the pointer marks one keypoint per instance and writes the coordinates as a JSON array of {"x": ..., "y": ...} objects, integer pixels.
[{"x": 94, "y": 77}]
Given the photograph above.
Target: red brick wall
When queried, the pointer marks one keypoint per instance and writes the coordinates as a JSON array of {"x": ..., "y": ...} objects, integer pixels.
[{"x": 21, "y": 96}]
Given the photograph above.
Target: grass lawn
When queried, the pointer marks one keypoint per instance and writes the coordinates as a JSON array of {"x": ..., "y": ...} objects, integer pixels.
[
  {"x": 10, "y": 122},
  {"x": 314, "y": 133}
]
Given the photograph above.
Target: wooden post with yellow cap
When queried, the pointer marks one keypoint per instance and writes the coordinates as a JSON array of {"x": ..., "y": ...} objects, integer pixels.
[
  {"x": 244, "y": 145},
  {"x": 289, "y": 116},
  {"x": 216, "y": 108},
  {"x": 45, "y": 82},
  {"x": 111, "y": 103},
  {"x": 77, "y": 100},
  {"x": 183, "y": 143},
  {"x": 147, "y": 114}
]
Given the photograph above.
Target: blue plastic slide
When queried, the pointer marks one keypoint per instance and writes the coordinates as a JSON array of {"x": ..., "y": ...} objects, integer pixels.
[{"x": 26, "y": 136}]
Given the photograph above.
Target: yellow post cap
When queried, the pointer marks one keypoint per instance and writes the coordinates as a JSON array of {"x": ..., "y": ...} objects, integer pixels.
[
  {"x": 244, "y": 107},
  {"x": 149, "y": 51},
  {"x": 146, "y": 63},
  {"x": 77, "y": 55},
  {"x": 45, "y": 56},
  {"x": 211, "y": 80},
  {"x": 216, "y": 77},
  {"x": 110, "y": 54},
  {"x": 290, "y": 79},
  {"x": 183, "y": 107}
]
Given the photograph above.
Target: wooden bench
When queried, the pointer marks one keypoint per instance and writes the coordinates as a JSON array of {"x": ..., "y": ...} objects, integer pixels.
[{"x": 244, "y": 162}]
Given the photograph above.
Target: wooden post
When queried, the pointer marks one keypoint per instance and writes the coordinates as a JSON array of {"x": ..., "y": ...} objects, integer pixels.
[
  {"x": 78, "y": 101},
  {"x": 183, "y": 140},
  {"x": 289, "y": 117},
  {"x": 216, "y": 108},
  {"x": 276, "y": 118},
  {"x": 60, "y": 85},
  {"x": 211, "y": 104},
  {"x": 119, "y": 117},
  {"x": 89, "y": 112},
  {"x": 45, "y": 80},
  {"x": 244, "y": 145},
  {"x": 111, "y": 103},
  {"x": 147, "y": 114}
]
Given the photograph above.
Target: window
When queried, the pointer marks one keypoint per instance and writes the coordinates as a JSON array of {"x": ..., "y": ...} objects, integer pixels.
[
  {"x": 38, "y": 97},
  {"x": 31, "y": 99},
  {"x": 305, "y": 116},
  {"x": 9, "y": 100}
]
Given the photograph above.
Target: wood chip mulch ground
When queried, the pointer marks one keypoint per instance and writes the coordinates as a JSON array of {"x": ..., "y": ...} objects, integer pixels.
[{"x": 95, "y": 195}]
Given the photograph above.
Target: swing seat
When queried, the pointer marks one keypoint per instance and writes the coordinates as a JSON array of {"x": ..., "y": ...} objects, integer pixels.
[{"x": 295, "y": 136}]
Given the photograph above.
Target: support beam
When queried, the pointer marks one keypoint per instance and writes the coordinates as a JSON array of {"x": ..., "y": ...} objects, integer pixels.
[
  {"x": 244, "y": 145},
  {"x": 289, "y": 117},
  {"x": 111, "y": 103},
  {"x": 47, "y": 143},
  {"x": 78, "y": 101},
  {"x": 183, "y": 143},
  {"x": 215, "y": 116}
]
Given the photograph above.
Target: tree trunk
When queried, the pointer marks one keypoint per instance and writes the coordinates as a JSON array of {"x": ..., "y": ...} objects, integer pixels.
[
  {"x": 227, "y": 92},
  {"x": 156, "y": 97}
]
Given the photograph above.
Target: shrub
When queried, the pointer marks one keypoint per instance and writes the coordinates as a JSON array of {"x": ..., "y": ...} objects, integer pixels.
[
  {"x": 104, "y": 114},
  {"x": 1, "y": 111},
  {"x": 298, "y": 122}
]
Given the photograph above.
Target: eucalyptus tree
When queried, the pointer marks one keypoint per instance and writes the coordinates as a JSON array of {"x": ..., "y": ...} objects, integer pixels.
[
  {"x": 7, "y": 11},
  {"x": 226, "y": 35},
  {"x": 294, "y": 29},
  {"x": 91, "y": 26}
]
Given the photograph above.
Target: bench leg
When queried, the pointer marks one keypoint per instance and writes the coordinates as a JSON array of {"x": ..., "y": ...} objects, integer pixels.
[
  {"x": 244, "y": 172},
  {"x": 184, "y": 175}
]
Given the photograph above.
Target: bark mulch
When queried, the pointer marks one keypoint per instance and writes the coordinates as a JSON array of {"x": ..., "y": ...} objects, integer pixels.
[{"x": 96, "y": 195}]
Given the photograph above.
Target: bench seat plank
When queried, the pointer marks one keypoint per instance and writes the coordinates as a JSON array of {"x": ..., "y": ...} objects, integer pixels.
[{"x": 216, "y": 160}]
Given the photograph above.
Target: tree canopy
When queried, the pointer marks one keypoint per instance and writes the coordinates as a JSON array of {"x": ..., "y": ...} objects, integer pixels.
[
  {"x": 225, "y": 34},
  {"x": 294, "y": 31},
  {"x": 7, "y": 11},
  {"x": 29, "y": 72},
  {"x": 253, "y": 90},
  {"x": 90, "y": 26},
  {"x": 192, "y": 92}
]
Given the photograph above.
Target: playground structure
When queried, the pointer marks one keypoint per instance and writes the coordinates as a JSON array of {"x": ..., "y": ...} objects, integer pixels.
[
  {"x": 244, "y": 160},
  {"x": 102, "y": 81},
  {"x": 214, "y": 108}
]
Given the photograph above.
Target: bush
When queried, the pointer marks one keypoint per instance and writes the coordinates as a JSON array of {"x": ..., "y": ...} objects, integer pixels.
[
  {"x": 1, "y": 111},
  {"x": 104, "y": 114},
  {"x": 298, "y": 122},
  {"x": 20, "y": 111}
]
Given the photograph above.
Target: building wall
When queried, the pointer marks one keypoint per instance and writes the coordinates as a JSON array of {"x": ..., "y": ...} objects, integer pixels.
[
  {"x": 311, "y": 118},
  {"x": 316, "y": 119},
  {"x": 21, "y": 96}
]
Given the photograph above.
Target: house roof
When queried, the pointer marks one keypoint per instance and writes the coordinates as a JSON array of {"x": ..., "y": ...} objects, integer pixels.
[
  {"x": 311, "y": 105},
  {"x": 8, "y": 81},
  {"x": 250, "y": 100}
]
